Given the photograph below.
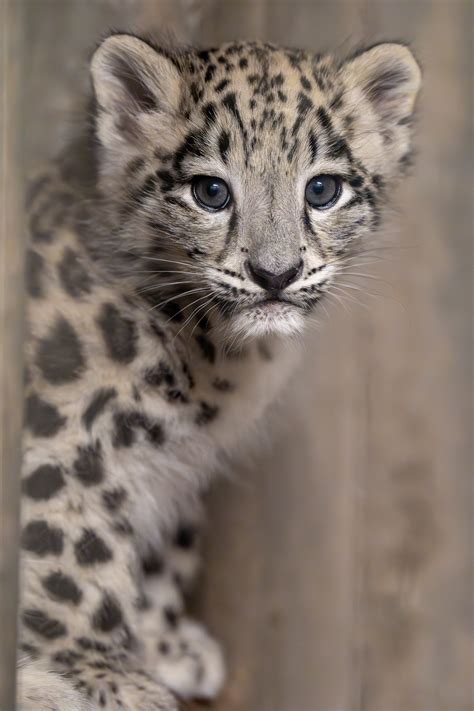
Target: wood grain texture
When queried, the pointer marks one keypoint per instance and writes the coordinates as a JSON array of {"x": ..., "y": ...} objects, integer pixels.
[
  {"x": 339, "y": 561},
  {"x": 11, "y": 332}
]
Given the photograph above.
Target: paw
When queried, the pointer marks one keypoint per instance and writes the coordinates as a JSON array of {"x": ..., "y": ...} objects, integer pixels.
[
  {"x": 138, "y": 693},
  {"x": 190, "y": 662},
  {"x": 119, "y": 689},
  {"x": 40, "y": 689}
]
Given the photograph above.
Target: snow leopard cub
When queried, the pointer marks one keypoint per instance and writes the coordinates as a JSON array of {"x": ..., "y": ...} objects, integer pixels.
[{"x": 173, "y": 251}]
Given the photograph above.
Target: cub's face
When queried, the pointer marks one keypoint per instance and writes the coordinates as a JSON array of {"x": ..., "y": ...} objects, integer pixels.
[{"x": 242, "y": 176}]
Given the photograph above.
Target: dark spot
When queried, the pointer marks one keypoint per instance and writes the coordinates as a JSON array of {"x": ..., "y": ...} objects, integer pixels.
[
  {"x": 171, "y": 616},
  {"x": 91, "y": 549},
  {"x": 185, "y": 537},
  {"x": 34, "y": 269},
  {"x": 92, "y": 645},
  {"x": 88, "y": 466},
  {"x": 123, "y": 527},
  {"x": 72, "y": 274},
  {"x": 30, "y": 649},
  {"x": 210, "y": 71},
  {"x": 166, "y": 179},
  {"x": 127, "y": 422},
  {"x": 173, "y": 310},
  {"x": 305, "y": 83},
  {"x": 222, "y": 85},
  {"x": 336, "y": 101},
  {"x": 223, "y": 385},
  {"x": 194, "y": 145},
  {"x": 119, "y": 334},
  {"x": 163, "y": 647},
  {"x": 62, "y": 588},
  {"x": 67, "y": 657},
  {"x": 102, "y": 698},
  {"x": 196, "y": 92},
  {"x": 210, "y": 112},
  {"x": 40, "y": 538},
  {"x": 153, "y": 564},
  {"x": 324, "y": 119},
  {"x": 44, "y": 482},
  {"x": 160, "y": 374},
  {"x": 123, "y": 432},
  {"x": 138, "y": 196},
  {"x": 357, "y": 181},
  {"x": 97, "y": 404},
  {"x": 230, "y": 103},
  {"x": 42, "y": 418},
  {"x": 45, "y": 626},
  {"x": 59, "y": 355},
  {"x": 207, "y": 348},
  {"x": 378, "y": 181},
  {"x": 113, "y": 498},
  {"x": 206, "y": 413},
  {"x": 338, "y": 147},
  {"x": 224, "y": 143},
  {"x": 108, "y": 615},
  {"x": 135, "y": 165},
  {"x": 313, "y": 146},
  {"x": 131, "y": 75}
]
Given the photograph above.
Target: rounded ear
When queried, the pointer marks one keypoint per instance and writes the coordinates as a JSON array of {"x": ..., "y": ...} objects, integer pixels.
[
  {"x": 130, "y": 75},
  {"x": 389, "y": 77}
]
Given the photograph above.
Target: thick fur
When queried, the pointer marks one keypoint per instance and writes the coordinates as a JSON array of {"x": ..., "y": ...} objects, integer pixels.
[{"x": 152, "y": 352}]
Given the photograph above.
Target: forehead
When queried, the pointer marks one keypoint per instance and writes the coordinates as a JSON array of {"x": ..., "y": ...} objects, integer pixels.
[
  {"x": 260, "y": 73},
  {"x": 260, "y": 96}
]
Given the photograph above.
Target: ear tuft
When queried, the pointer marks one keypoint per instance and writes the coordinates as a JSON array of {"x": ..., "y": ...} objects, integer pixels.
[{"x": 389, "y": 76}]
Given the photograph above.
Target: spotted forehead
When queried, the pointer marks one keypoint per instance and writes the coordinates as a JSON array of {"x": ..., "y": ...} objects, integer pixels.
[{"x": 262, "y": 89}]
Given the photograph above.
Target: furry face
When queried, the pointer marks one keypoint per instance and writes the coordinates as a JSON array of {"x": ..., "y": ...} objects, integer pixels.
[{"x": 245, "y": 174}]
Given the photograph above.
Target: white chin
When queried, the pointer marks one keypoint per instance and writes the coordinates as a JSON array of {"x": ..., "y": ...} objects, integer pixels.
[{"x": 268, "y": 319}]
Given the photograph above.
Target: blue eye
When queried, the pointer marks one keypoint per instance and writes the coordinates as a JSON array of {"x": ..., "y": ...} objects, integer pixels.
[
  {"x": 322, "y": 191},
  {"x": 211, "y": 193}
]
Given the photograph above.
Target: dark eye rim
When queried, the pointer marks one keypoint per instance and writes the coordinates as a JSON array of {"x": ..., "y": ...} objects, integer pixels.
[
  {"x": 337, "y": 179},
  {"x": 195, "y": 180}
]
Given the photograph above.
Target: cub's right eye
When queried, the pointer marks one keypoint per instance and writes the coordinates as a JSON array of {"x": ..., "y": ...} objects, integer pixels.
[{"x": 210, "y": 193}]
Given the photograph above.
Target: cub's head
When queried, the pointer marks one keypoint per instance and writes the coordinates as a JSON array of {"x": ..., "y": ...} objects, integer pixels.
[{"x": 241, "y": 177}]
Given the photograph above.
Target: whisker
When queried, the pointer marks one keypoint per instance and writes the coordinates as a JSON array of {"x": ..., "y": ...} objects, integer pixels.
[
  {"x": 185, "y": 293},
  {"x": 207, "y": 296},
  {"x": 163, "y": 285}
]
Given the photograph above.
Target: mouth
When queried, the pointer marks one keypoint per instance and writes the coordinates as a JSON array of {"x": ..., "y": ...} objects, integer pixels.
[{"x": 271, "y": 315}]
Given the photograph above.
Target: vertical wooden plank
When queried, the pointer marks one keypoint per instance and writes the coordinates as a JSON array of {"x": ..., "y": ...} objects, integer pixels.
[
  {"x": 415, "y": 615},
  {"x": 11, "y": 332}
]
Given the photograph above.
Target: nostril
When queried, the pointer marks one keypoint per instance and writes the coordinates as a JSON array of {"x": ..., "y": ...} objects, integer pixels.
[{"x": 270, "y": 280}]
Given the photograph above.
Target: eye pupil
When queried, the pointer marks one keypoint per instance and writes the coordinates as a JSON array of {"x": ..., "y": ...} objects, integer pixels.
[
  {"x": 210, "y": 193},
  {"x": 323, "y": 191},
  {"x": 212, "y": 189}
]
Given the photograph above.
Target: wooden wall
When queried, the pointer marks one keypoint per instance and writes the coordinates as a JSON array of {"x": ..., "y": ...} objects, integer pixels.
[
  {"x": 11, "y": 330},
  {"x": 339, "y": 560}
]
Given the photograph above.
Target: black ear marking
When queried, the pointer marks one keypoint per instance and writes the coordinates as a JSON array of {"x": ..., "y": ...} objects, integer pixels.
[
  {"x": 389, "y": 76},
  {"x": 131, "y": 78},
  {"x": 128, "y": 73}
]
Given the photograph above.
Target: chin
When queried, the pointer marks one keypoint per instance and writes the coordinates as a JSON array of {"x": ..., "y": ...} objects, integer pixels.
[{"x": 268, "y": 319}]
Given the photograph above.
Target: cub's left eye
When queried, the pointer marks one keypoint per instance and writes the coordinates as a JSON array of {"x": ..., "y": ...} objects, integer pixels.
[
  {"x": 210, "y": 193},
  {"x": 323, "y": 191}
]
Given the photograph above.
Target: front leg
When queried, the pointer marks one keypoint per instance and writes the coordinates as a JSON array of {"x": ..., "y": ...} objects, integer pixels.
[{"x": 178, "y": 649}]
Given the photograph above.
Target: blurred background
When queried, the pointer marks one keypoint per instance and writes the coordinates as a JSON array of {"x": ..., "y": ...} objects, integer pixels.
[{"x": 339, "y": 559}]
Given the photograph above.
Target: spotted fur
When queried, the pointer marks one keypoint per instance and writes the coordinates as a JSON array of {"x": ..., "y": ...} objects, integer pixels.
[{"x": 152, "y": 350}]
